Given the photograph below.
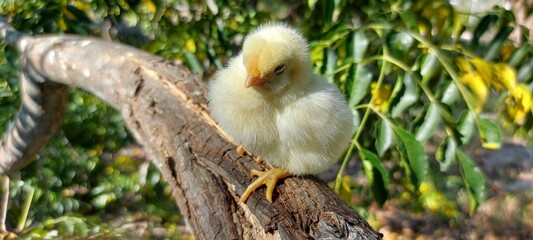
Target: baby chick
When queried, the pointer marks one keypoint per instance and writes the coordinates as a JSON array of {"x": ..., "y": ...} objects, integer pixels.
[{"x": 268, "y": 100}]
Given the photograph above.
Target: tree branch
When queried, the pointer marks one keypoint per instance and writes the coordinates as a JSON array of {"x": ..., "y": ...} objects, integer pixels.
[{"x": 165, "y": 108}]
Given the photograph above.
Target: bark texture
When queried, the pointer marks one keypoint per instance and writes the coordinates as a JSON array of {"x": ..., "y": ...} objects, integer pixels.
[{"x": 165, "y": 108}]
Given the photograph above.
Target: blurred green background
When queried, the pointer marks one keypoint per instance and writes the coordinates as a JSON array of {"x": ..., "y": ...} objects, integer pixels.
[{"x": 441, "y": 90}]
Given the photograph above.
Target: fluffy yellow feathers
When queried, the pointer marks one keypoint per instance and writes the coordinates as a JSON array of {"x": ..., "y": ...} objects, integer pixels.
[{"x": 268, "y": 100}]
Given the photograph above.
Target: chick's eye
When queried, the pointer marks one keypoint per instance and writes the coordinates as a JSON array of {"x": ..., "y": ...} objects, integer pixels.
[{"x": 280, "y": 69}]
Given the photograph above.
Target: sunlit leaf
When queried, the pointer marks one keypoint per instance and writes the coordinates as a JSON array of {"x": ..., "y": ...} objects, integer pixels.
[
  {"x": 474, "y": 180},
  {"x": 358, "y": 46},
  {"x": 356, "y": 120},
  {"x": 430, "y": 66},
  {"x": 400, "y": 43},
  {"x": 384, "y": 136},
  {"x": 450, "y": 93},
  {"x": 459, "y": 24},
  {"x": 376, "y": 174},
  {"x": 489, "y": 132},
  {"x": 525, "y": 73},
  {"x": 446, "y": 153},
  {"x": 361, "y": 85},
  {"x": 330, "y": 64},
  {"x": 311, "y": 4},
  {"x": 431, "y": 122},
  {"x": 412, "y": 152},
  {"x": 466, "y": 126},
  {"x": 408, "y": 97}
]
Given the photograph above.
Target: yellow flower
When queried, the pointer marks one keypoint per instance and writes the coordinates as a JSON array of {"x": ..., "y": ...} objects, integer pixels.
[
  {"x": 519, "y": 103},
  {"x": 480, "y": 75},
  {"x": 149, "y": 5},
  {"x": 190, "y": 45},
  {"x": 61, "y": 24},
  {"x": 505, "y": 75},
  {"x": 506, "y": 52},
  {"x": 498, "y": 75},
  {"x": 485, "y": 70},
  {"x": 381, "y": 95},
  {"x": 435, "y": 201},
  {"x": 480, "y": 89}
]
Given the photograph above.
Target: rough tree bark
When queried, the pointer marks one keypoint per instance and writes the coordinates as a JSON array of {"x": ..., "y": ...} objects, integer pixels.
[{"x": 164, "y": 107}]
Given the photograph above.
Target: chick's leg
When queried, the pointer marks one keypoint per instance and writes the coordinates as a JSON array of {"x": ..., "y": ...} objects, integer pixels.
[{"x": 268, "y": 178}]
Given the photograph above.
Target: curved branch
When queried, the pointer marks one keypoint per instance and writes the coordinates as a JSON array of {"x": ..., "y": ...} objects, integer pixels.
[
  {"x": 40, "y": 116},
  {"x": 165, "y": 108}
]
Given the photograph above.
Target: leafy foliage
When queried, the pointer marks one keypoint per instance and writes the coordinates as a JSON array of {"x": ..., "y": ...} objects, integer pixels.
[{"x": 416, "y": 73}]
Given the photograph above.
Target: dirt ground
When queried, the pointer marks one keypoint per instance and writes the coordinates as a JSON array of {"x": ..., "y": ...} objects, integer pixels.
[{"x": 506, "y": 214}]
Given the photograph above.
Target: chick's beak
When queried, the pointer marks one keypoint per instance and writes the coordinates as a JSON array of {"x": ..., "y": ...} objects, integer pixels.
[{"x": 254, "y": 81}]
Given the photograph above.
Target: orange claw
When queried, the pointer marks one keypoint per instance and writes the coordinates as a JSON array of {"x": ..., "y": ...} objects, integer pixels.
[
  {"x": 268, "y": 178},
  {"x": 240, "y": 150},
  {"x": 258, "y": 160}
]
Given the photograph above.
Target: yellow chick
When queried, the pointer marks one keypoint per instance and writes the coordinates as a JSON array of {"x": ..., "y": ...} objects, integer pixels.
[{"x": 268, "y": 100}]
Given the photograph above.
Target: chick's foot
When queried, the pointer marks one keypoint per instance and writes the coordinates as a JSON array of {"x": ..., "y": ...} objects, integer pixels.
[{"x": 268, "y": 178}]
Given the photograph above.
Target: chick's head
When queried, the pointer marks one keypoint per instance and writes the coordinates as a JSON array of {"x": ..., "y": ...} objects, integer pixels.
[{"x": 275, "y": 56}]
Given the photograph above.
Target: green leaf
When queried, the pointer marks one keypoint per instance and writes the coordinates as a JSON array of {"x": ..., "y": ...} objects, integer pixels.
[
  {"x": 193, "y": 63},
  {"x": 330, "y": 7},
  {"x": 399, "y": 43},
  {"x": 466, "y": 126},
  {"x": 361, "y": 84},
  {"x": 450, "y": 93},
  {"x": 431, "y": 123},
  {"x": 311, "y": 4},
  {"x": 496, "y": 44},
  {"x": 376, "y": 174},
  {"x": 344, "y": 190},
  {"x": 410, "y": 20},
  {"x": 430, "y": 66},
  {"x": 460, "y": 21},
  {"x": 485, "y": 23},
  {"x": 519, "y": 55},
  {"x": 525, "y": 73},
  {"x": 80, "y": 15},
  {"x": 336, "y": 32},
  {"x": 446, "y": 153},
  {"x": 75, "y": 26},
  {"x": 474, "y": 180},
  {"x": 358, "y": 45},
  {"x": 356, "y": 120},
  {"x": 383, "y": 137},
  {"x": 330, "y": 64},
  {"x": 411, "y": 152},
  {"x": 408, "y": 97},
  {"x": 491, "y": 136}
]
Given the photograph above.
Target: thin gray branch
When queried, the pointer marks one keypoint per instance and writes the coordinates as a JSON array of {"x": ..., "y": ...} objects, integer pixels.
[{"x": 11, "y": 36}]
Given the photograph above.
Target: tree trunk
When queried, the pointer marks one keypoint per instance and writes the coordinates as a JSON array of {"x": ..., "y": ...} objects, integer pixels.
[{"x": 165, "y": 108}]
